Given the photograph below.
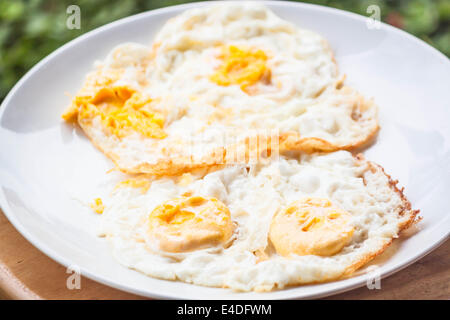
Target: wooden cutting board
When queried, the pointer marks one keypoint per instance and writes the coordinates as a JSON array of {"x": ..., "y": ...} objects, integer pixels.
[{"x": 26, "y": 273}]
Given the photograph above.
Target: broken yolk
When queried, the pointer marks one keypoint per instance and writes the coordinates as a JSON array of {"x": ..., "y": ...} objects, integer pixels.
[
  {"x": 241, "y": 66},
  {"x": 97, "y": 206},
  {"x": 122, "y": 111},
  {"x": 311, "y": 226},
  {"x": 190, "y": 223}
]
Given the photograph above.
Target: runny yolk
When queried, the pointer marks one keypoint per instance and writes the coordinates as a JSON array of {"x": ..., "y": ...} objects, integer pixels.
[{"x": 311, "y": 226}]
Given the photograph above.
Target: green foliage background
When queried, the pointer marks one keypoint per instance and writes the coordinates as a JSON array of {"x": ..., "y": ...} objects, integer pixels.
[{"x": 31, "y": 29}]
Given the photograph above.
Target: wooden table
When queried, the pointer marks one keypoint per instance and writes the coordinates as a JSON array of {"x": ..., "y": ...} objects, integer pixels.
[{"x": 26, "y": 273}]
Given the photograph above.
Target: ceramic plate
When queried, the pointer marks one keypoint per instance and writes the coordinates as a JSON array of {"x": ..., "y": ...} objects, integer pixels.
[{"x": 42, "y": 159}]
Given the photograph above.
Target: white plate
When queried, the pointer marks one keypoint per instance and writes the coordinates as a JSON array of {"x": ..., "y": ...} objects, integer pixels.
[{"x": 42, "y": 159}]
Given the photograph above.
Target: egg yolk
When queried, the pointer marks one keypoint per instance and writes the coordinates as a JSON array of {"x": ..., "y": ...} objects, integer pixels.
[
  {"x": 190, "y": 223},
  {"x": 241, "y": 66},
  {"x": 311, "y": 226},
  {"x": 122, "y": 111},
  {"x": 97, "y": 206}
]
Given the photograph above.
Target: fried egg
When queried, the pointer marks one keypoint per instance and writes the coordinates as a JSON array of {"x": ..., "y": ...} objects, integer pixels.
[
  {"x": 291, "y": 221},
  {"x": 215, "y": 78}
]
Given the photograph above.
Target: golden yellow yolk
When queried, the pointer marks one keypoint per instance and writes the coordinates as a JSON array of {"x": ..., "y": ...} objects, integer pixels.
[
  {"x": 122, "y": 111},
  {"x": 97, "y": 206},
  {"x": 311, "y": 226},
  {"x": 241, "y": 66},
  {"x": 190, "y": 223}
]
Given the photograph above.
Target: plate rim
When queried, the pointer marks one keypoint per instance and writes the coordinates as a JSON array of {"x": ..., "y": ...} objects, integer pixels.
[{"x": 352, "y": 283}]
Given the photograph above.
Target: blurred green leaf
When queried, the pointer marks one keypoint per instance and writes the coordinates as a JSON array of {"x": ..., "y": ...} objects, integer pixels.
[
  {"x": 420, "y": 17},
  {"x": 11, "y": 10},
  {"x": 444, "y": 10},
  {"x": 442, "y": 42}
]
